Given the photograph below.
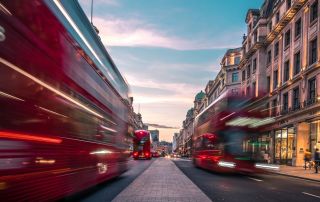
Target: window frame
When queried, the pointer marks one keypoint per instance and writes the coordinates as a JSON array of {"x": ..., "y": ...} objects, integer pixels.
[{"x": 295, "y": 72}]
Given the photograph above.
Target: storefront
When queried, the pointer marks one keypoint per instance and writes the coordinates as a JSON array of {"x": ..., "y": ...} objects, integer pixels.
[
  {"x": 284, "y": 145},
  {"x": 314, "y": 135},
  {"x": 259, "y": 147}
]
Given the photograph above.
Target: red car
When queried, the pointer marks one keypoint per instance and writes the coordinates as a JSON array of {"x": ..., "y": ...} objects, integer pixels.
[{"x": 155, "y": 154}]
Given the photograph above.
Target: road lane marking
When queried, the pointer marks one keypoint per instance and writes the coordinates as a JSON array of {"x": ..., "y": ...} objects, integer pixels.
[
  {"x": 255, "y": 179},
  {"x": 306, "y": 193},
  {"x": 175, "y": 159}
]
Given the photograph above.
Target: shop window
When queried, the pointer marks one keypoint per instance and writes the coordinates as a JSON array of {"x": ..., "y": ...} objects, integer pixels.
[
  {"x": 297, "y": 63},
  {"x": 284, "y": 145},
  {"x": 254, "y": 88},
  {"x": 314, "y": 135}
]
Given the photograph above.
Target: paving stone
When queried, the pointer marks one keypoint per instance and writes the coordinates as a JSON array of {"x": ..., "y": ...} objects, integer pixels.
[{"x": 162, "y": 181}]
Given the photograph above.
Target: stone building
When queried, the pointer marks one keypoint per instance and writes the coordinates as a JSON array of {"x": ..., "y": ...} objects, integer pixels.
[
  {"x": 228, "y": 77},
  {"x": 281, "y": 63}
]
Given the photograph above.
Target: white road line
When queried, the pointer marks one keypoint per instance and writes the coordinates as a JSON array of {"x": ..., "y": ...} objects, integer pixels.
[
  {"x": 175, "y": 159},
  {"x": 251, "y": 178},
  {"x": 306, "y": 193}
]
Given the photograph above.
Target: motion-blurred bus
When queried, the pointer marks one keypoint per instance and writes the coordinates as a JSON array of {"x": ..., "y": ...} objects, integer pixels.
[
  {"x": 63, "y": 103},
  {"x": 223, "y": 128},
  {"x": 142, "y": 145}
]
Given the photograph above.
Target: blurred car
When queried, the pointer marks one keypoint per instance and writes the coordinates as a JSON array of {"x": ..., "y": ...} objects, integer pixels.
[{"x": 155, "y": 154}]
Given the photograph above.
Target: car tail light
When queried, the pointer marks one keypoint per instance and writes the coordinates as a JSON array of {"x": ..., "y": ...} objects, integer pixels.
[{"x": 135, "y": 154}]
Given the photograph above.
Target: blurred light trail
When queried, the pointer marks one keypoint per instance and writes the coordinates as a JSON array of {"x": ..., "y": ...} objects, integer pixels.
[{"x": 28, "y": 137}]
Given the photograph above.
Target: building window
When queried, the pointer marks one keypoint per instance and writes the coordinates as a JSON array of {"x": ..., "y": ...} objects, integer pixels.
[
  {"x": 276, "y": 49},
  {"x": 295, "y": 98},
  {"x": 313, "y": 51},
  {"x": 311, "y": 90},
  {"x": 248, "y": 90},
  {"x": 286, "y": 71},
  {"x": 235, "y": 77},
  {"x": 254, "y": 88},
  {"x": 254, "y": 65},
  {"x": 275, "y": 79},
  {"x": 288, "y": 4},
  {"x": 297, "y": 63},
  {"x": 297, "y": 28},
  {"x": 237, "y": 60},
  {"x": 255, "y": 35},
  {"x": 274, "y": 107},
  {"x": 314, "y": 11},
  {"x": 243, "y": 75},
  {"x": 268, "y": 84},
  {"x": 269, "y": 57},
  {"x": 270, "y": 26},
  {"x": 285, "y": 102},
  {"x": 277, "y": 17},
  {"x": 248, "y": 71},
  {"x": 287, "y": 38}
]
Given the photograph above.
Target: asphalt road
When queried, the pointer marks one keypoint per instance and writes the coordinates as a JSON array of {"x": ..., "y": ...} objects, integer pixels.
[
  {"x": 107, "y": 191},
  {"x": 236, "y": 187}
]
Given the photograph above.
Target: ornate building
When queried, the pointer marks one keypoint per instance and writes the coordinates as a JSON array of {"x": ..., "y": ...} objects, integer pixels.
[{"x": 281, "y": 63}]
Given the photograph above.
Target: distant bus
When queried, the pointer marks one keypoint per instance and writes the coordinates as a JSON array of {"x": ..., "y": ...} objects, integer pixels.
[
  {"x": 142, "y": 145},
  {"x": 222, "y": 130}
]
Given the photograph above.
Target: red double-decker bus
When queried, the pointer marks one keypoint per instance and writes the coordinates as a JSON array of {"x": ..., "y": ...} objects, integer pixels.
[
  {"x": 142, "y": 145},
  {"x": 63, "y": 103},
  {"x": 223, "y": 128}
]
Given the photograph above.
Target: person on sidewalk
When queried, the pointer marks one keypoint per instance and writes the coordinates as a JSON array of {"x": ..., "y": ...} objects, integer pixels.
[
  {"x": 316, "y": 159},
  {"x": 307, "y": 159}
]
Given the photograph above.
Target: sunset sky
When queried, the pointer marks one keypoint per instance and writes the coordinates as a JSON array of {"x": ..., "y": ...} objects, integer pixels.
[{"x": 168, "y": 49}]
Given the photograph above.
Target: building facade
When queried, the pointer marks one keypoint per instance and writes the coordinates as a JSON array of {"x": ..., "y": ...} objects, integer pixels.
[{"x": 281, "y": 63}]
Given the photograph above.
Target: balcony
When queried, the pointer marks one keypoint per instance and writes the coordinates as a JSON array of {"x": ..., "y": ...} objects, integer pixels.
[{"x": 287, "y": 17}]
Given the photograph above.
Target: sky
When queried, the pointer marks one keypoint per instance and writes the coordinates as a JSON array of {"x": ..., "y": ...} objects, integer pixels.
[{"x": 168, "y": 50}]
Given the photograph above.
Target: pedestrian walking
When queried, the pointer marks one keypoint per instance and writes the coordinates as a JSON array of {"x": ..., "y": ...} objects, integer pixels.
[
  {"x": 316, "y": 159},
  {"x": 307, "y": 159}
]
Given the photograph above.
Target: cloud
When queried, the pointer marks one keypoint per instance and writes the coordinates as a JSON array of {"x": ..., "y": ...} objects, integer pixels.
[
  {"x": 161, "y": 126},
  {"x": 96, "y": 3},
  {"x": 137, "y": 33}
]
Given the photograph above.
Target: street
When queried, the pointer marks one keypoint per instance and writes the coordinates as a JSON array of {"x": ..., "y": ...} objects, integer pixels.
[
  {"x": 216, "y": 186},
  {"x": 232, "y": 187},
  {"x": 108, "y": 190}
]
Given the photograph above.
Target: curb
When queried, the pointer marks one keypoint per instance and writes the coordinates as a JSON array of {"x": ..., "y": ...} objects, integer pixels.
[{"x": 294, "y": 176}]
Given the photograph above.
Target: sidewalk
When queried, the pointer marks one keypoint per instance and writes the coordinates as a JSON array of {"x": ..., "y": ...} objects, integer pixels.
[
  {"x": 162, "y": 181},
  {"x": 298, "y": 172}
]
